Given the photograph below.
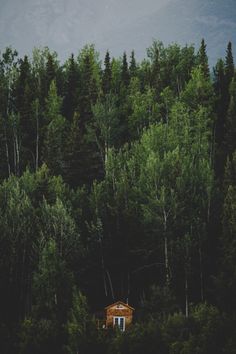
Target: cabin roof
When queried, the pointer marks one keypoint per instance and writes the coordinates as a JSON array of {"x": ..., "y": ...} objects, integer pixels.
[{"x": 119, "y": 303}]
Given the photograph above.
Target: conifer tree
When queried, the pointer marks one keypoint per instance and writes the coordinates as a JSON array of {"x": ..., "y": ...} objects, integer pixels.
[
  {"x": 88, "y": 159},
  {"x": 55, "y": 133},
  {"x": 229, "y": 65},
  {"x": 8, "y": 65},
  {"x": 155, "y": 77},
  {"x": 70, "y": 103},
  {"x": 230, "y": 134},
  {"x": 107, "y": 75},
  {"x": 221, "y": 112},
  {"x": 125, "y": 76},
  {"x": 24, "y": 96},
  {"x": 202, "y": 59},
  {"x": 133, "y": 65},
  {"x": 224, "y": 73},
  {"x": 50, "y": 73},
  {"x": 88, "y": 92}
]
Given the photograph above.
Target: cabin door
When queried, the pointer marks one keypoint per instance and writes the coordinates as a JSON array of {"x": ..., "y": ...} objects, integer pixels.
[{"x": 119, "y": 322}]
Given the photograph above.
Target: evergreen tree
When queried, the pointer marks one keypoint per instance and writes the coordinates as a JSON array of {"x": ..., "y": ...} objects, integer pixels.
[
  {"x": 107, "y": 75},
  {"x": 70, "y": 104},
  {"x": 88, "y": 92},
  {"x": 105, "y": 125},
  {"x": 8, "y": 74},
  {"x": 229, "y": 66},
  {"x": 49, "y": 73},
  {"x": 77, "y": 323},
  {"x": 24, "y": 96},
  {"x": 202, "y": 59},
  {"x": 125, "y": 76},
  {"x": 155, "y": 77},
  {"x": 89, "y": 161},
  {"x": 55, "y": 133},
  {"x": 221, "y": 112},
  {"x": 133, "y": 65},
  {"x": 230, "y": 134}
]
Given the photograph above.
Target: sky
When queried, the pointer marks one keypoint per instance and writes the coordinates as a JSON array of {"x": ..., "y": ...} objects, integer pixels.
[{"x": 118, "y": 25}]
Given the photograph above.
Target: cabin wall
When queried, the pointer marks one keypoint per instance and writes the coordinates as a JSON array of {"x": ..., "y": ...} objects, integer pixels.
[{"x": 114, "y": 312}]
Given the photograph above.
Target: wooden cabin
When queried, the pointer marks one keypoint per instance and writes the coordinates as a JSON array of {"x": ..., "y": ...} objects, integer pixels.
[{"x": 119, "y": 315}]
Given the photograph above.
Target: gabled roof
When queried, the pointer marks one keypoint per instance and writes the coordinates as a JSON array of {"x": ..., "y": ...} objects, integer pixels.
[{"x": 119, "y": 303}]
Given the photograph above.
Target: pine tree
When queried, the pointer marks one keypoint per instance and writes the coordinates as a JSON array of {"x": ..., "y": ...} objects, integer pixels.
[
  {"x": 133, "y": 65},
  {"x": 224, "y": 73},
  {"x": 230, "y": 133},
  {"x": 88, "y": 154},
  {"x": 55, "y": 133},
  {"x": 229, "y": 65},
  {"x": 155, "y": 77},
  {"x": 107, "y": 75},
  {"x": 70, "y": 103},
  {"x": 125, "y": 76},
  {"x": 221, "y": 112},
  {"x": 24, "y": 96},
  {"x": 50, "y": 74},
  {"x": 88, "y": 92},
  {"x": 8, "y": 71},
  {"x": 202, "y": 59}
]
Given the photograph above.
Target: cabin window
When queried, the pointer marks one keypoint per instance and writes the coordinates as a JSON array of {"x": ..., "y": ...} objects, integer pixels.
[{"x": 119, "y": 322}]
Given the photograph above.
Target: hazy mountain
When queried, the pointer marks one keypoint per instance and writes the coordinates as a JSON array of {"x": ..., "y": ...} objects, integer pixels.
[{"x": 66, "y": 25}]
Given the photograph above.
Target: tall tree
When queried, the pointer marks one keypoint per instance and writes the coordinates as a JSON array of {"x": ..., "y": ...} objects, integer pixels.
[
  {"x": 70, "y": 104},
  {"x": 155, "y": 70},
  {"x": 224, "y": 74},
  {"x": 55, "y": 132},
  {"x": 133, "y": 65},
  {"x": 202, "y": 59},
  {"x": 221, "y": 111},
  {"x": 24, "y": 95},
  {"x": 107, "y": 75},
  {"x": 230, "y": 133},
  {"x": 90, "y": 163},
  {"x": 105, "y": 125},
  {"x": 125, "y": 75},
  {"x": 9, "y": 74},
  {"x": 50, "y": 74},
  {"x": 229, "y": 66},
  {"x": 88, "y": 90}
]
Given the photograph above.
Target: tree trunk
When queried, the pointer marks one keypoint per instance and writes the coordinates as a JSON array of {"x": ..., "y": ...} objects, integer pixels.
[
  {"x": 186, "y": 295},
  {"x": 7, "y": 148},
  {"x": 201, "y": 274},
  {"x": 166, "y": 250},
  {"x": 37, "y": 140}
]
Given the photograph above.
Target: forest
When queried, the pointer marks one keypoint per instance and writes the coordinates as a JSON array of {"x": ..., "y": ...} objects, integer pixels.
[{"x": 118, "y": 182}]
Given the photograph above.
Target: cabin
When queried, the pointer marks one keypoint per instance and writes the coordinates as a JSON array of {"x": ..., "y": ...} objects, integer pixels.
[{"x": 119, "y": 315}]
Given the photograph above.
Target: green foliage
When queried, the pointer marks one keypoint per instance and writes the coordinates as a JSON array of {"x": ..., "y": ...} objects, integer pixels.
[
  {"x": 55, "y": 133},
  {"x": 202, "y": 60},
  {"x": 151, "y": 146},
  {"x": 144, "y": 109},
  {"x": 104, "y": 127},
  {"x": 70, "y": 104},
  {"x": 107, "y": 75},
  {"x": 77, "y": 324},
  {"x": 231, "y": 121}
]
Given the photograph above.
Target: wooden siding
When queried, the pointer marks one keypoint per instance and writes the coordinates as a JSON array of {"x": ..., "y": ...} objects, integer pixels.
[{"x": 119, "y": 310}]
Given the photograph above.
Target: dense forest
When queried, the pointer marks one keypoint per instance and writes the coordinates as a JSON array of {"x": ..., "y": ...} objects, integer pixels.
[{"x": 118, "y": 181}]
